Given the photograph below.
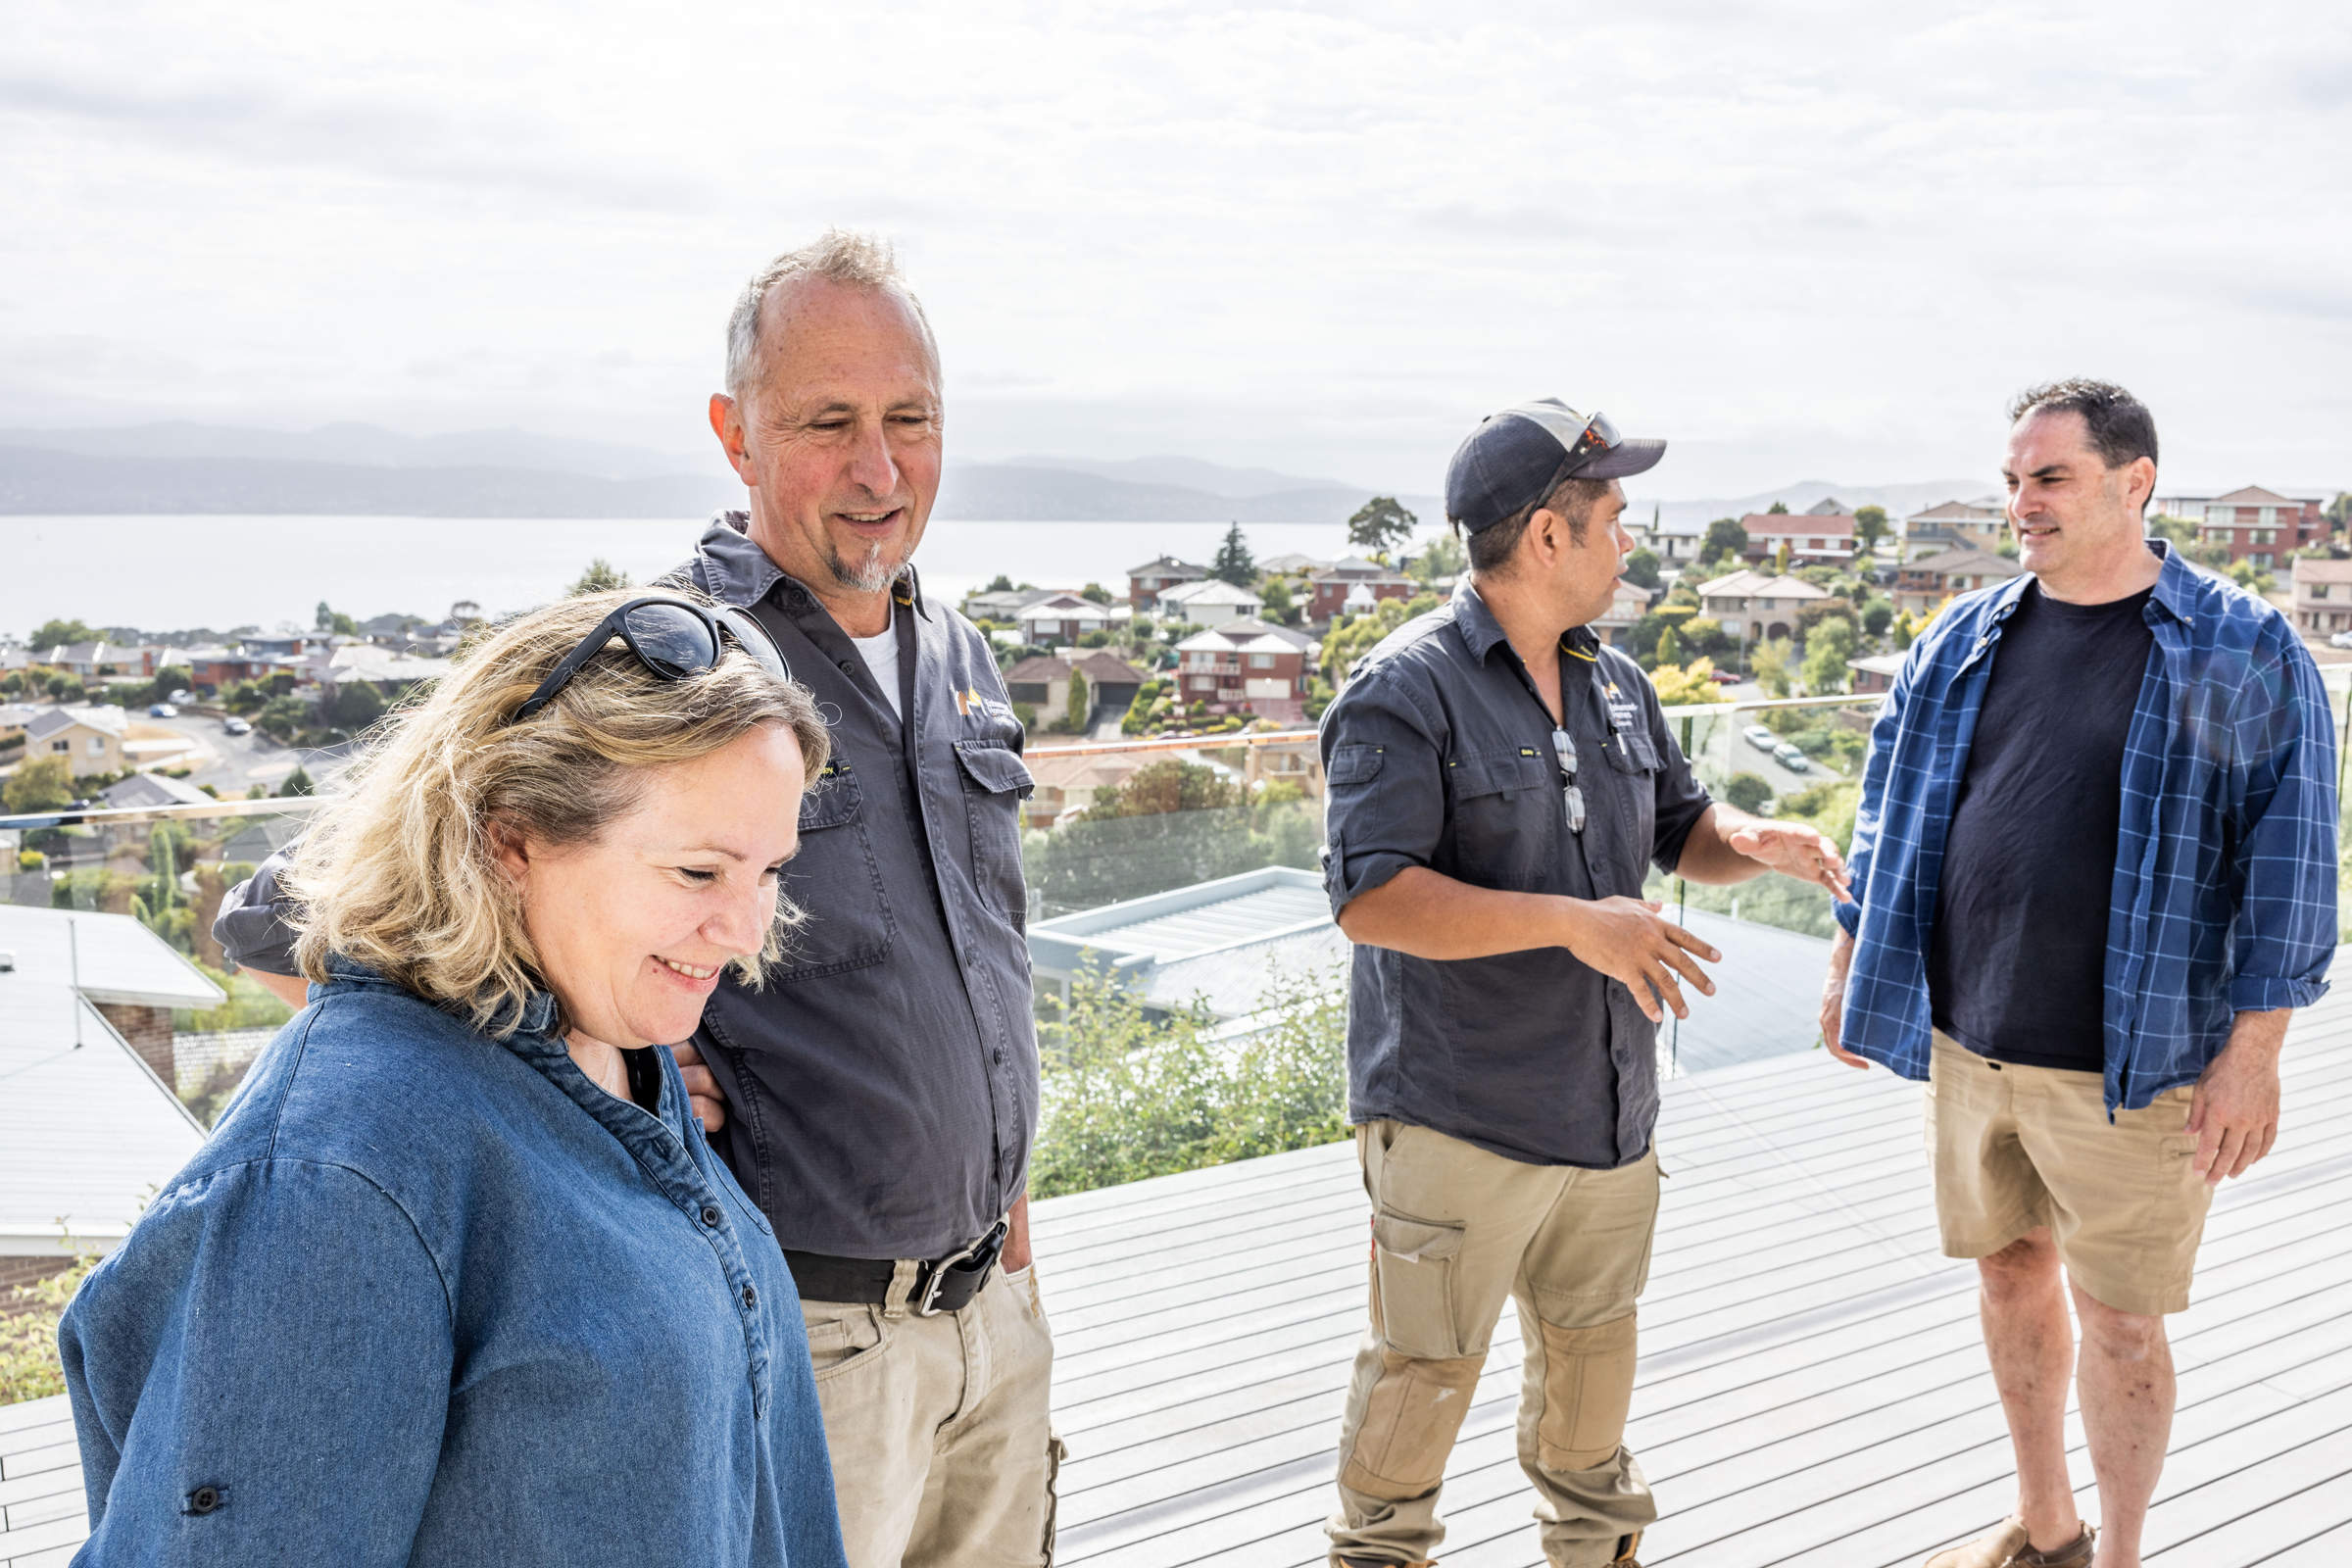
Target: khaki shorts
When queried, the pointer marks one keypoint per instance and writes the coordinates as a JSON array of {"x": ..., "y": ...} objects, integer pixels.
[{"x": 2015, "y": 1148}]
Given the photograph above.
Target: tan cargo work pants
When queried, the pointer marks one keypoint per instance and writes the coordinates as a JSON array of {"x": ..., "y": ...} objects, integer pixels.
[
  {"x": 1454, "y": 1230},
  {"x": 943, "y": 1451}
]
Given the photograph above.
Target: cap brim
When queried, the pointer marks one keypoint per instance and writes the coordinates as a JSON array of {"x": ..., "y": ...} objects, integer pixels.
[{"x": 1624, "y": 458}]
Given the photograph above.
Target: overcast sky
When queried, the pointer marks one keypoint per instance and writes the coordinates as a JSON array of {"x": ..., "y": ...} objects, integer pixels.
[{"x": 1799, "y": 240}]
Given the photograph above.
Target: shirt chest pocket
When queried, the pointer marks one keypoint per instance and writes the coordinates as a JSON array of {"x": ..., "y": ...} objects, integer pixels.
[
  {"x": 1506, "y": 811},
  {"x": 996, "y": 781},
  {"x": 1633, "y": 760},
  {"x": 836, "y": 883}
]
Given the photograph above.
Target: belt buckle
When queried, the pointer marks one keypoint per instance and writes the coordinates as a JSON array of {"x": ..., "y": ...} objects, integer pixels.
[{"x": 935, "y": 1278}]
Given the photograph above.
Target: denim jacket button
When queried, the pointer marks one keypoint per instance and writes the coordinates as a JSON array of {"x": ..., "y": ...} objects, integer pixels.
[
  {"x": 710, "y": 1216},
  {"x": 203, "y": 1499},
  {"x": 751, "y": 1297}
]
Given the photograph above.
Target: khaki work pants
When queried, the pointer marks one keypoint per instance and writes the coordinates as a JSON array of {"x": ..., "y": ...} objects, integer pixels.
[
  {"x": 943, "y": 1453},
  {"x": 1456, "y": 1228}
]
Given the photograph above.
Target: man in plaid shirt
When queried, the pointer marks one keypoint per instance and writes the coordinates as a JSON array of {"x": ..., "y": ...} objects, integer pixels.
[{"x": 2094, "y": 870}]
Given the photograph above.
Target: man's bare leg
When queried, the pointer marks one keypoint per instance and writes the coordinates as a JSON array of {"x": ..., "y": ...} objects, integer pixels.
[
  {"x": 2030, "y": 1343},
  {"x": 2126, "y": 1384}
]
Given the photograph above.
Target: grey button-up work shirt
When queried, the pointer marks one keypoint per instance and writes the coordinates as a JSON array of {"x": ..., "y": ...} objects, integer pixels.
[
  {"x": 882, "y": 1086},
  {"x": 1439, "y": 754}
]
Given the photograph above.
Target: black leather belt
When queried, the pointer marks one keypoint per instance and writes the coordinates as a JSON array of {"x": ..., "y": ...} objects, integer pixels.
[{"x": 942, "y": 1284}]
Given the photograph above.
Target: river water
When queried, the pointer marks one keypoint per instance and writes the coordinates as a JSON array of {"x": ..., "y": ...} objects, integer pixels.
[{"x": 162, "y": 573}]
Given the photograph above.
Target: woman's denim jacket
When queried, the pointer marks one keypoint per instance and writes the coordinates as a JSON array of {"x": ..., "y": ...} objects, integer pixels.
[{"x": 431, "y": 1298}]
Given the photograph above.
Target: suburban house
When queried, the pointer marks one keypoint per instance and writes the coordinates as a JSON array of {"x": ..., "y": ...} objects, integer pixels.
[
  {"x": 1976, "y": 522},
  {"x": 1874, "y": 672},
  {"x": 1209, "y": 602},
  {"x": 1066, "y": 785},
  {"x": 390, "y": 670},
  {"x": 1002, "y": 604},
  {"x": 1756, "y": 606},
  {"x": 102, "y": 660},
  {"x": 1248, "y": 666},
  {"x": 85, "y": 1026},
  {"x": 1043, "y": 682},
  {"x": 213, "y": 666},
  {"x": 141, "y": 791},
  {"x": 1353, "y": 585},
  {"x": 89, "y": 738},
  {"x": 1813, "y": 538},
  {"x": 1921, "y": 585},
  {"x": 2323, "y": 595},
  {"x": 1675, "y": 544},
  {"x": 1147, "y": 582},
  {"x": 1626, "y": 605},
  {"x": 1061, "y": 618},
  {"x": 2255, "y": 524},
  {"x": 1290, "y": 565}
]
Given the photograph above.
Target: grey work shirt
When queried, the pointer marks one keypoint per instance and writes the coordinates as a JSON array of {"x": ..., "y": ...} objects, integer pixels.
[
  {"x": 1439, "y": 754},
  {"x": 882, "y": 1088}
]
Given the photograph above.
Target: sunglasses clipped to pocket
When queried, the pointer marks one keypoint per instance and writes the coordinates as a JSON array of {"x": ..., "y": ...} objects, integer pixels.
[{"x": 672, "y": 637}]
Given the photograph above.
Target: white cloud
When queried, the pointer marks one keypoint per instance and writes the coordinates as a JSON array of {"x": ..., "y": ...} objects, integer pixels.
[{"x": 1807, "y": 239}]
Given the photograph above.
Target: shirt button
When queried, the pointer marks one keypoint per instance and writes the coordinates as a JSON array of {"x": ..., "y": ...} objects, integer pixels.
[
  {"x": 710, "y": 1216},
  {"x": 751, "y": 1297},
  {"x": 203, "y": 1499}
]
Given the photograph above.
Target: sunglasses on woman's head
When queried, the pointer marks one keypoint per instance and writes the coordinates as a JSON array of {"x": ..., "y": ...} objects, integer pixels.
[{"x": 672, "y": 637}]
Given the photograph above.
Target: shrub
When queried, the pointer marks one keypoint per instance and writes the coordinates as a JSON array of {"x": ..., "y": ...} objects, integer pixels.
[
  {"x": 1747, "y": 791},
  {"x": 29, "y": 1314}
]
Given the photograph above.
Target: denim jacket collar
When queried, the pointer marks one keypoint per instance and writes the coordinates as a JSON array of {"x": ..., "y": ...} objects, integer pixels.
[
  {"x": 538, "y": 1015},
  {"x": 740, "y": 573}
]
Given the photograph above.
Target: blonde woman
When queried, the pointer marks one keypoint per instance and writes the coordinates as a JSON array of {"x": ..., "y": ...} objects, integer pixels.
[{"x": 457, "y": 1280}]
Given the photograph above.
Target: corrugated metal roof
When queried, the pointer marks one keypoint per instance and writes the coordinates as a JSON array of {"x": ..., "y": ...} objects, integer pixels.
[{"x": 1221, "y": 922}]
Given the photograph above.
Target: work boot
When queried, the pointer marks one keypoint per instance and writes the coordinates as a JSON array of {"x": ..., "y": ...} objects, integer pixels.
[{"x": 2008, "y": 1547}]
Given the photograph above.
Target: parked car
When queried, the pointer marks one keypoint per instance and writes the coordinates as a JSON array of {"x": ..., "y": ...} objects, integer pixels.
[
  {"x": 162, "y": 711},
  {"x": 1789, "y": 757},
  {"x": 1724, "y": 677},
  {"x": 183, "y": 695},
  {"x": 236, "y": 726},
  {"x": 1762, "y": 739},
  {"x": 2343, "y": 639}
]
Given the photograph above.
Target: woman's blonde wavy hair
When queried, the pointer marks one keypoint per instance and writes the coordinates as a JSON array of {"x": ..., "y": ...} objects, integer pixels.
[{"x": 400, "y": 872}]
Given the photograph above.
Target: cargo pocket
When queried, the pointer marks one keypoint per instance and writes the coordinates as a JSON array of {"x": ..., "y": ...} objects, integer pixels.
[{"x": 1413, "y": 1263}]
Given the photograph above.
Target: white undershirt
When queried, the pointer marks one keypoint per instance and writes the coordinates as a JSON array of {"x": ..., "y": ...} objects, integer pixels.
[{"x": 881, "y": 656}]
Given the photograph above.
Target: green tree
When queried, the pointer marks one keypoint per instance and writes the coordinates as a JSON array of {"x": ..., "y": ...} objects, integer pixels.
[
  {"x": 49, "y": 633},
  {"x": 1641, "y": 568},
  {"x": 2251, "y": 577},
  {"x": 356, "y": 706},
  {"x": 2338, "y": 512},
  {"x": 297, "y": 783},
  {"x": 60, "y": 686},
  {"x": 1780, "y": 560},
  {"x": 999, "y": 584},
  {"x": 1280, "y": 607},
  {"x": 1232, "y": 561},
  {"x": 1081, "y": 704},
  {"x": 1877, "y": 618},
  {"x": 601, "y": 576},
  {"x": 1827, "y": 647},
  {"x": 43, "y": 784},
  {"x": 333, "y": 622},
  {"x": 12, "y": 683},
  {"x": 1680, "y": 687},
  {"x": 1724, "y": 537},
  {"x": 1380, "y": 524},
  {"x": 1670, "y": 646},
  {"x": 1870, "y": 526},
  {"x": 1746, "y": 792},
  {"x": 1779, "y": 509},
  {"x": 168, "y": 680},
  {"x": 1442, "y": 557},
  {"x": 1095, "y": 592}
]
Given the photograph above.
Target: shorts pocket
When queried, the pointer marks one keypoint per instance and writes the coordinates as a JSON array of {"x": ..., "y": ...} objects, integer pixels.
[
  {"x": 844, "y": 1339},
  {"x": 1414, "y": 1262}
]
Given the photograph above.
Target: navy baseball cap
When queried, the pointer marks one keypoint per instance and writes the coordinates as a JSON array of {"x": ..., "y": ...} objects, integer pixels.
[{"x": 1521, "y": 455}]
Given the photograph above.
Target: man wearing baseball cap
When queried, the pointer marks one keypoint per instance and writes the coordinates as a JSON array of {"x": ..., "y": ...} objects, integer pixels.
[{"x": 1499, "y": 780}]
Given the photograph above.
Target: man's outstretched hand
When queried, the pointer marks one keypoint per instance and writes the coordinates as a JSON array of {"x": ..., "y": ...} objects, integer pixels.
[{"x": 1793, "y": 850}]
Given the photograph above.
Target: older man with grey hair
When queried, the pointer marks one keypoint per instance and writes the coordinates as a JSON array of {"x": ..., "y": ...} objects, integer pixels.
[{"x": 878, "y": 1095}]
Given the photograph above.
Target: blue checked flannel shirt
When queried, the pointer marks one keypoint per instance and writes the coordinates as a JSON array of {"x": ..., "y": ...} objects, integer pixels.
[{"x": 2225, "y": 878}]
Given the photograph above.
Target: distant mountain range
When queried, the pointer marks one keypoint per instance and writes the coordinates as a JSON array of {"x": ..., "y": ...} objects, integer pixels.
[{"x": 363, "y": 470}]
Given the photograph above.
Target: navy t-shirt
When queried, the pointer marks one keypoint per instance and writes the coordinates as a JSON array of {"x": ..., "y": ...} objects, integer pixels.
[{"x": 2017, "y": 963}]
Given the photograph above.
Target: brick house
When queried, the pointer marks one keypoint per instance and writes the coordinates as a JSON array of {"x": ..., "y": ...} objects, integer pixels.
[
  {"x": 2322, "y": 595},
  {"x": 1246, "y": 665},
  {"x": 102, "y": 660},
  {"x": 1147, "y": 582},
  {"x": 1329, "y": 591},
  {"x": 1921, "y": 585},
  {"x": 1062, "y": 620},
  {"x": 1874, "y": 672},
  {"x": 2254, "y": 524},
  {"x": 1756, "y": 606},
  {"x": 1814, "y": 538},
  {"x": 1958, "y": 522}
]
